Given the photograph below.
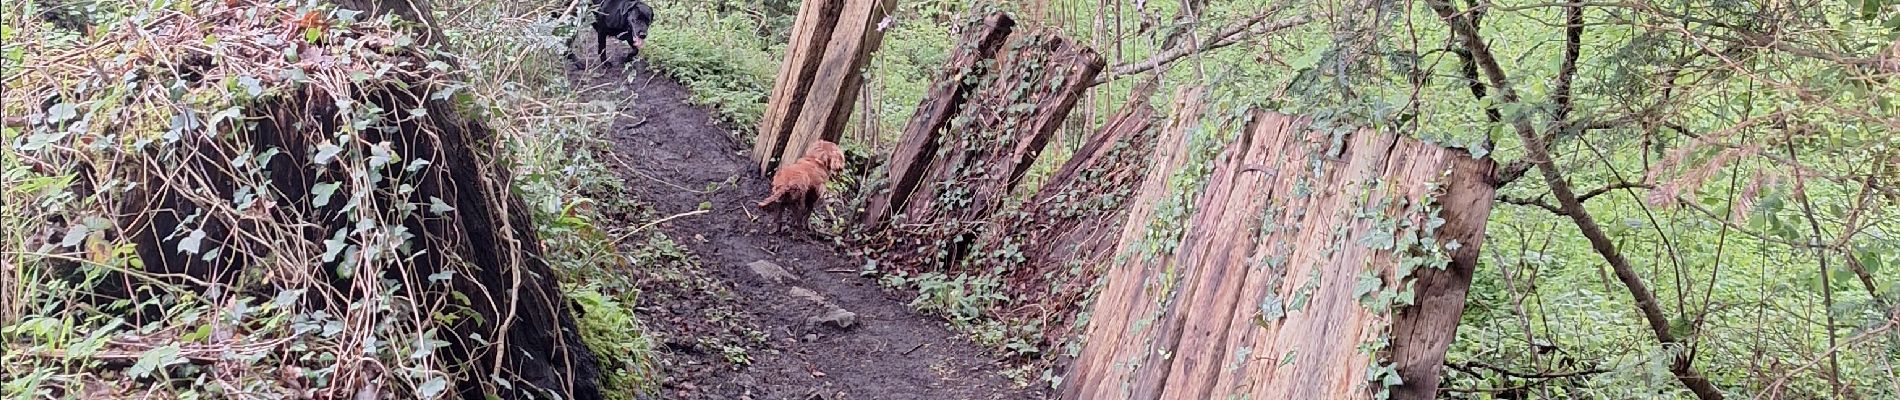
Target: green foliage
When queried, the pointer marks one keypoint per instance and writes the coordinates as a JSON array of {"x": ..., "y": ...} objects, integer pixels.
[
  {"x": 618, "y": 340},
  {"x": 722, "y": 60},
  {"x": 962, "y": 297}
]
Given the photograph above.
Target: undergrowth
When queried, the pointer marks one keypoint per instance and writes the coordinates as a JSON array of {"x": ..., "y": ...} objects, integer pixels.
[
  {"x": 722, "y": 60},
  {"x": 552, "y": 135}
]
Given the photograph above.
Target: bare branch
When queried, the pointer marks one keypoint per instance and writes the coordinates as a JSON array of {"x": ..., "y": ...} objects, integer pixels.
[
  {"x": 1537, "y": 202},
  {"x": 1613, "y": 186},
  {"x": 1228, "y": 36},
  {"x": 1538, "y": 153},
  {"x": 1471, "y": 367},
  {"x": 1540, "y": 203}
]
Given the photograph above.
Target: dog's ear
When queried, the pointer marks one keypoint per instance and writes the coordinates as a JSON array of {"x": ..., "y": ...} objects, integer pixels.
[{"x": 836, "y": 159}]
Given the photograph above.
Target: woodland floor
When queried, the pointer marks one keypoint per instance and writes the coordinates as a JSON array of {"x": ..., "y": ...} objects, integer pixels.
[{"x": 674, "y": 158}]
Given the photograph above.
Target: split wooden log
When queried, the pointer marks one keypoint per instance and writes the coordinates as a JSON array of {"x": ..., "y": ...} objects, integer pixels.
[
  {"x": 954, "y": 175},
  {"x": 959, "y": 78},
  {"x": 1004, "y": 127},
  {"x": 987, "y": 148},
  {"x": 1057, "y": 241},
  {"x": 834, "y": 51},
  {"x": 1316, "y": 262},
  {"x": 810, "y": 33},
  {"x": 1122, "y": 300}
]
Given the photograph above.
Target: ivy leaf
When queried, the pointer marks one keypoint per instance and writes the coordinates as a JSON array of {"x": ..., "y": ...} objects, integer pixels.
[
  {"x": 1379, "y": 239},
  {"x": 230, "y": 113},
  {"x": 62, "y": 112},
  {"x": 346, "y": 16},
  {"x": 438, "y": 207},
  {"x": 191, "y": 243},
  {"x": 446, "y": 92},
  {"x": 1272, "y": 308},
  {"x": 381, "y": 154},
  {"x": 287, "y": 297},
  {"x": 320, "y": 194},
  {"x": 75, "y": 235},
  {"x": 433, "y": 387},
  {"x": 331, "y": 328},
  {"x": 333, "y": 246},
  {"x": 325, "y": 153},
  {"x": 252, "y": 86},
  {"x": 1368, "y": 282},
  {"x": 154, "y": 359}
]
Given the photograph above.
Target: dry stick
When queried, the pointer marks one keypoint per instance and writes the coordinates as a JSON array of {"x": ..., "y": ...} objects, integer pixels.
[
  {"x": 1669, "y": 246},
  {"x": 624, "y": 235},
  {"x": 1538, "y": 153},
  {"x": 1853, "y": 264}
]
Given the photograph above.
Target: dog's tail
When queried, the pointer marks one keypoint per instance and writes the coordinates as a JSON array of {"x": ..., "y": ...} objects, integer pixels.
[{"x": 778, "y": 194}]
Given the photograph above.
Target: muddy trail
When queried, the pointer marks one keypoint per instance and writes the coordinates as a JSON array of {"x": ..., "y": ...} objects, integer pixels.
[{"x": 677, "y": 159}]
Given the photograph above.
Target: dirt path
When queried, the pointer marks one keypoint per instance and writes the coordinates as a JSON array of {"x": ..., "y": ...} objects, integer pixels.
[{"x": 675, "y": 158}]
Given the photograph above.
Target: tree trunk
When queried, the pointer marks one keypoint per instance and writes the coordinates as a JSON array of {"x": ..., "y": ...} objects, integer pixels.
[{"x": 511, "y": 334}]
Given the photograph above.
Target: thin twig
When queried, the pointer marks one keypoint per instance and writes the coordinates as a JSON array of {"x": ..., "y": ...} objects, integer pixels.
[{"x": 623, "y": 235}]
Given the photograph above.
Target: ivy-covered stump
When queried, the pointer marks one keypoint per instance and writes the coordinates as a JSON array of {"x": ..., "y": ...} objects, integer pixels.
[
  {"x": 282, "y": 199},
  {"x": 1313, "y": 262}
]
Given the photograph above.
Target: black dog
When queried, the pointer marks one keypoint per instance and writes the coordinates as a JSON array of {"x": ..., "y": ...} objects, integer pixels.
[{"x": 623, "y": 19}]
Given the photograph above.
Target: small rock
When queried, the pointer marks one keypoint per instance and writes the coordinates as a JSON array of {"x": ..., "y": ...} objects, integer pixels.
[
  {"x": 836, "y": 317},
  {"x": 806, "y": 294},
  {"x": 811, "y": 337},
  {"x": 771, "y": 272}
]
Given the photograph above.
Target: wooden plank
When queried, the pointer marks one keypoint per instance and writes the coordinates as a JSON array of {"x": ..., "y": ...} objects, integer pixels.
[
  {"x": 827, "y": 104},
  {"x": 1281, "y": 286},
  {"x": 810, "y": 32},
  {"x": 916, "y": 150},
  {"x": 1321, "y": 338}
]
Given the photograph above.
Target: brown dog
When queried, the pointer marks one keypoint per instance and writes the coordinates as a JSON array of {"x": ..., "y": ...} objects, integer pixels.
[{"x": 799, "y": 185}]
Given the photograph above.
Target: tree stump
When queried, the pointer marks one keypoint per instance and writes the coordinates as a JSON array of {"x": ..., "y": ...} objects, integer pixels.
[{"x": 1316, "y": 262}]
